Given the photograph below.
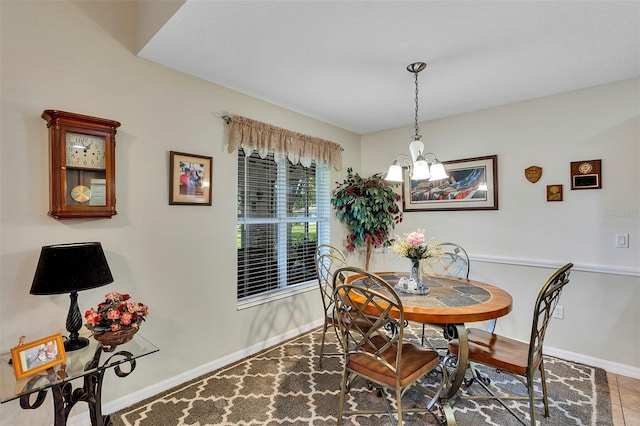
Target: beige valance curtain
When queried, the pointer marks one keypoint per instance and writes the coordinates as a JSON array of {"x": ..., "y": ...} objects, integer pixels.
[{"x": 265, "y": 138}]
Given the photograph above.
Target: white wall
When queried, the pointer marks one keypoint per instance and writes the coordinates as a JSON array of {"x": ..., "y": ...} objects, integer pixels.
[
  {"x": 77, "y": 56},
  {"x": 180, "y": 260},
  {"x": 518, "y": 246}
]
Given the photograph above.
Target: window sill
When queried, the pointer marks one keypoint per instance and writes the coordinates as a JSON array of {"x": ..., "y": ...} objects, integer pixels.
[{"x": 277, "y": 295}]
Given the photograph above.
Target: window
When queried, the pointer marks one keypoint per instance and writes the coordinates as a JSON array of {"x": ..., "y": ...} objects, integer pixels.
[{"x": 283, "y": 214}]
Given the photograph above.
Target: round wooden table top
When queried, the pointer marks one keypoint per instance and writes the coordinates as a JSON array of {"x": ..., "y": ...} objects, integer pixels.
[{"x": 450, "y": 300}]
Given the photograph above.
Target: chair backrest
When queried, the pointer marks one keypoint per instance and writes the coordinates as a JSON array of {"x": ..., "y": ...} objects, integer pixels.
[
  {"x": 370, "y": 335},
  {"x": 328, "y": 259},
  {"x": 545, "y": 304},
  {"x": 454, "y": 261}
]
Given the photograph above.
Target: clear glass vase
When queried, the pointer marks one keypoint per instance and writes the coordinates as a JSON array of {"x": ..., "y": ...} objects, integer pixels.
[{"x": 416, "y": 273}]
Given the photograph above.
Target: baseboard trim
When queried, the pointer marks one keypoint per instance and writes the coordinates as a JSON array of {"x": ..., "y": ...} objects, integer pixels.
[
  {"x": 82, "y": 419},
  {"x": 611, "y": 367}
]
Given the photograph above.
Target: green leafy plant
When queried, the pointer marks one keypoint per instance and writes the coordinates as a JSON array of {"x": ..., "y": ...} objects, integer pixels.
[{"x": 369, "y": 208}]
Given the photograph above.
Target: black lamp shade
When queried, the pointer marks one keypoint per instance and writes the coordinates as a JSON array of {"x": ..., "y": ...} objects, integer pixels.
[
  {"x": 69, "y": 268},
  {"x": 65, "y": 268}
]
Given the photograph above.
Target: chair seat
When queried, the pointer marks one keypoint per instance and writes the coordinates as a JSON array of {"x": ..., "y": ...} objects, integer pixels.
[
  {"x": 416, "y": 361},
  {"x": 495, "y": 350}
]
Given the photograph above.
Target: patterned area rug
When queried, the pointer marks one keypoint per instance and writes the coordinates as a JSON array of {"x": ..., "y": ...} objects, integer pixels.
[{"x": 283, "y": 385}]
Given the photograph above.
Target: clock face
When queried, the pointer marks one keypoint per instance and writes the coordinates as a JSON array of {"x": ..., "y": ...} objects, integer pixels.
[{"x": 85, "y": 151}]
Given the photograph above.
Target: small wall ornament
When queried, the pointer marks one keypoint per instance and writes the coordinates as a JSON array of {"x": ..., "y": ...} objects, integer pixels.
[
  {"x": 533, "y": 173},
  {"x": 554, "y": 192}
]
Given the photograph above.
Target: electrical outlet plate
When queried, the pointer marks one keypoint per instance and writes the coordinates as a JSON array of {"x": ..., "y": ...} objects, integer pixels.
[
  {"x": 558, "y": 312},
  {"x": 622, "y": 240}
]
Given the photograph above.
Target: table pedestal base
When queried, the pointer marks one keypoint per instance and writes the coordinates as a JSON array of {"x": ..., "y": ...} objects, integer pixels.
[
  {"x": 65, "y": 397},
  {"x": 453, "y": 370}
]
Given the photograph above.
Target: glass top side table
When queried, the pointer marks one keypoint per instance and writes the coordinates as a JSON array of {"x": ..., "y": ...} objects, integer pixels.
[{"x": 89, "y": 363}]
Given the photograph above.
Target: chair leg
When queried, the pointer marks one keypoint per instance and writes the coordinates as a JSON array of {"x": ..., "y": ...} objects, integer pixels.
[
  {"x": 324, "y": 333},
  {"x": 532, "y": 399},
  {"x": 399, "y": 405},
  {"x": 343, "y": 391},
  {"x": 423, "y": 326},
  {"x": 543, "y": 379}
]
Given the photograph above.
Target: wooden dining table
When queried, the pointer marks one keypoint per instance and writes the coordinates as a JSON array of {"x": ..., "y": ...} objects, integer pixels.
[{"x": 451, "y": 303}]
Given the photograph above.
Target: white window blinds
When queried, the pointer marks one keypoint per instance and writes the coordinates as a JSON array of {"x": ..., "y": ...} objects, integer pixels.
[{"x": 283, "y": 214}]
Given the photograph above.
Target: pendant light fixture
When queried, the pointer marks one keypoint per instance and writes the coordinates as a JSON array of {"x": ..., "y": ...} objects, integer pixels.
[{"x": 420, "y": 167}]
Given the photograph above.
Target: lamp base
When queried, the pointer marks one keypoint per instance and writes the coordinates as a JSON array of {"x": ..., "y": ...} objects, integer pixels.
[
  {"x": 74, "y": 322},
  {"x": 73, "y": 344}
]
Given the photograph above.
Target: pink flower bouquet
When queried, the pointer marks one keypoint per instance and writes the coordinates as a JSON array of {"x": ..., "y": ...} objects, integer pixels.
[{"x": 115, "y": 313}]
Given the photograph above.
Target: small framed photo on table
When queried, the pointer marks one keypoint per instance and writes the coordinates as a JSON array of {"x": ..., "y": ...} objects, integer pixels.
[
  {"x": 189, "y": 179},
  {"x": 41, "y": 354}
]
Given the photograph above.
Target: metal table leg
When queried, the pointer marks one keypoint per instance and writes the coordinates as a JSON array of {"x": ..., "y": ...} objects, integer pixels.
[{"x": 65, "y": 397}]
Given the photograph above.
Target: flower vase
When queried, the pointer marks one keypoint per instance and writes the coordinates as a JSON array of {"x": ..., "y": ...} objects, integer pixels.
[{"x": 416, "y": 273}]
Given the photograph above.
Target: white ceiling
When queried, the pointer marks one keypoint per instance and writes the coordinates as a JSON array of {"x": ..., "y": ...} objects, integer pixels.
[{"x": 344, "y": 62}]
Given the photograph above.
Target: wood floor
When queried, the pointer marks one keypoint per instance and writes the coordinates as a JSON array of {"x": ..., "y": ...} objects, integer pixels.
[{"x": 625, "y": 400}]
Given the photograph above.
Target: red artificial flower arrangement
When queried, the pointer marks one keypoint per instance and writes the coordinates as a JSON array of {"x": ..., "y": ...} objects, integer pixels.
[{"x": 115, "y": 313}]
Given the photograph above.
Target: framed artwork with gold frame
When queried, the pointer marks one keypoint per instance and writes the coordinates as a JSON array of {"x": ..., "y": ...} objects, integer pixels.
[{"x": 30, "y": 358}]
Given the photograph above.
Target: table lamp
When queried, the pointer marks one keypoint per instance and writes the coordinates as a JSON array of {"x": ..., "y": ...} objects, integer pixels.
[{"x": 70, "y": 268}]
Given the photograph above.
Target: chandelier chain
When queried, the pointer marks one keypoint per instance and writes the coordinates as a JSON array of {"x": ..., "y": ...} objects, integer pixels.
[{"x": 417, "y": 130}]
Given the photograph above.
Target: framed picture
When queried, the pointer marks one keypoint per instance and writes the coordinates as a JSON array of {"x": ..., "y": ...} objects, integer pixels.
[
  {"x": 586, "y": 174},
  {"x": 190, "y": 179},
  {"x": 29, "y": 358},
  {"x": 554, "y": 192},
  {"x": 472, "y": 184}
]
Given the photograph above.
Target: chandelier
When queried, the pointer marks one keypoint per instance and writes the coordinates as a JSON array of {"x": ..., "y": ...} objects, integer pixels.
[{"x": 421, "y": 165}]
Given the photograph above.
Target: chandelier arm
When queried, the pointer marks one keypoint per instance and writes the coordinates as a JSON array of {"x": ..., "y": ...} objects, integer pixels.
[
  {"x": 426, "y": 156},
  {"x": 403, "y": 160}
]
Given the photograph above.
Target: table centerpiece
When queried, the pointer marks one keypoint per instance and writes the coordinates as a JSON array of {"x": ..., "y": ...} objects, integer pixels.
[{"x": 416, "y": 248}]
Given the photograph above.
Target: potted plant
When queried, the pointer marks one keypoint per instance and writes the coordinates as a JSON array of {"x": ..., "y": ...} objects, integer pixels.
[{"x": 369, "y": 208}]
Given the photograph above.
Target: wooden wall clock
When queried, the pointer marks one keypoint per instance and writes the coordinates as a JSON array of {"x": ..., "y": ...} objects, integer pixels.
[{"x": 81, "y": 165}]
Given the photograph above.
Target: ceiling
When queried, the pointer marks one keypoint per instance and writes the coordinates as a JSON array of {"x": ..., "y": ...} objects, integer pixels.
[{"x": 344, "y": 62}]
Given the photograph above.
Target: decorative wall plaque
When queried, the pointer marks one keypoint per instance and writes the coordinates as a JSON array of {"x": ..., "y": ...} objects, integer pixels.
[
  {"x": 533, "y": 173},
  {"x": 554, "y": 192},
  {"x": 586, "y": 174}
]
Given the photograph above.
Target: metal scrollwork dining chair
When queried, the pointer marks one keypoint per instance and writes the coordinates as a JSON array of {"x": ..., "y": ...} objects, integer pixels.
[
  {"x": 328, "y": 259},
  {"x": 370, "y": 319},
  {"x": 519, "y": 359},
  {"x": 453, "y": 262}
]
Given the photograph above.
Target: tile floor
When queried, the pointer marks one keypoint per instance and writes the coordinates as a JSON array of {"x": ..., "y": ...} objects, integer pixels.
[{"x": 625, "y": 400}]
